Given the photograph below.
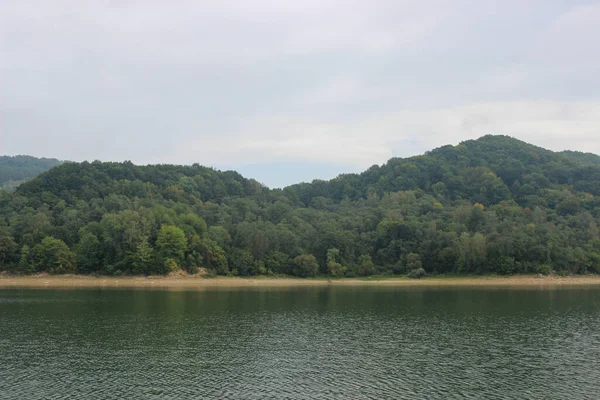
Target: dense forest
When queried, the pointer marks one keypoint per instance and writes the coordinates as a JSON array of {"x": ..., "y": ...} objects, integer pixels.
[
  {"x": 492, "y": 205},
  {"x": 15, "y": 170}
]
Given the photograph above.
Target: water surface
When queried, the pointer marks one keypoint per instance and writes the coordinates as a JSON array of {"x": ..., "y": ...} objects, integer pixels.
[{"x": 297, "y": 343}]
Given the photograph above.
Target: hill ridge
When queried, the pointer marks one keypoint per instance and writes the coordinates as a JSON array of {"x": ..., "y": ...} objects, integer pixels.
[{"x": 491, "y": 205}]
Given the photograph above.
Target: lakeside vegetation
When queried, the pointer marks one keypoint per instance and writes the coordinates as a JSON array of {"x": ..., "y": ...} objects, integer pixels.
[{"x": 494, "y": 205}]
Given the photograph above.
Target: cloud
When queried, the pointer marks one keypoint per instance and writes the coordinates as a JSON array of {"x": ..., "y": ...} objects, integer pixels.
[
  {"x": 373, "y": 139},
  {"x": 336, "y": 82}
]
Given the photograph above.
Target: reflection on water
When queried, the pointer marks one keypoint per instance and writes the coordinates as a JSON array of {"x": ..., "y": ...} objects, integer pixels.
[{"x": 324, "y": 343}]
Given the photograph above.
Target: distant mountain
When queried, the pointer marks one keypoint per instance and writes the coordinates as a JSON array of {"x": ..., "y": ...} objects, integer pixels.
[
  {"x": 15, "y": 170},
  {"x": 583, "y": 158},
  {"x": 486, "y": 170},
  {"x": 491, "y": 205}
]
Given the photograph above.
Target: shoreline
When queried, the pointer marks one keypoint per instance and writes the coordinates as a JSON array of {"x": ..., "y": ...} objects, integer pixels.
[{"x": 201, "y": 282}]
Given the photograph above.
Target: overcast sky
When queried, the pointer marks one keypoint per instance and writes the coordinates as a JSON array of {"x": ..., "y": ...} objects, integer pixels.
[{"x": 286, "y": 91}]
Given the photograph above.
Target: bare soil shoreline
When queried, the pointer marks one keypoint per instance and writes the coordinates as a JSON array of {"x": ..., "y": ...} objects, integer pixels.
[{"x": 200, "y": 282}]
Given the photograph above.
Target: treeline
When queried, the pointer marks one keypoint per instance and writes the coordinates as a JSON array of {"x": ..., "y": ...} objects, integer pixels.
[
  {"x": 493, "y": 205},
  {"x": 15, "y": 170}
]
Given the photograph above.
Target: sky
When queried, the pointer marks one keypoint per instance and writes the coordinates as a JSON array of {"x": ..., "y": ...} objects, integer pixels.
[{"x": 288, "y": 91}]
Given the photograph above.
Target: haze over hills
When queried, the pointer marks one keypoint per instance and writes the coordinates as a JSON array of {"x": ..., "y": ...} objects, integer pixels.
[
  {"x": 15, "y": 170},
  {"x": 492, "y": 205}
]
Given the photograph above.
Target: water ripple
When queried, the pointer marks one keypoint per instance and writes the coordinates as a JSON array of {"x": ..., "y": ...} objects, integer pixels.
[{"x": 334, "y": 343}]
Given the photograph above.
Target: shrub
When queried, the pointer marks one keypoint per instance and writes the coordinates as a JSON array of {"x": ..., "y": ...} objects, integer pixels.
[
  {"x": 335, "y": 269},
  {"x": 505, "y": 265},
  {"x": 398, "y": 269},
  {"x": 192, "y": 269},
  {"x": 210, "y": 273},
  {"x": 352, "y": 272},
  {"x": 544, "y": 269},
  {"x": 417, "y": 273},
  {"x": 259, "y": 268},
  {"x": 305, "y": 265},
  {"x": 365, "y": 265},
  {"x": 413, "y": 261},
  {"x": 171, "y": 265}
]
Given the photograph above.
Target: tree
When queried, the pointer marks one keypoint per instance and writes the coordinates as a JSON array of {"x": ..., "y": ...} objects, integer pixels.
[
  {"x": 219, "y": 235},
  {"x": 365, "y": 265},
  {"x": 278, "y": 262},
  {"x": 334, "y": 268},
  {"x": 252, "y": 237},
  {"x": 472, "y": 252},
  {"x": 305, "y": 265},
  {"x": 53, "y": 255},
  {"x": 413, "y": 261},
  {"x": 213, "y": 256},
  {"x": 417, "y": 273},
  {"x": 25, "y": 262},
  {"x": 88, "y": 253},
  {"x": 195, "y": 222},
  {"x": 8, "y": 249},
  {"x": 170, "y": 265},
  {"x": 171, "y": 244},
  {"x": 240, "y": 261},
  {"x": 258, "y": 268},
  {"x": 193, "y": 255},
  {"x": 143, "y": 259}
]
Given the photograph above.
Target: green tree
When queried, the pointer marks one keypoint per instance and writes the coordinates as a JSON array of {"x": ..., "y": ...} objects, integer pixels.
[
  {"x": 240, "y": 261},
  {"x": 413, "y": 261},
  {"x": 219, "y": 235},
  {"x": 88, "y": 253},
  {"x": 334, "y": 267},
  {"x": 472, "y": 252},
  {"x": 306, "y": 265},
  {"x": 170, "y": 265},
  {"x": 8, "y": 250},
  {"x": 258, "y": 268},
  {"x": 194, "y": 256},
  {"x": 365, "y": 265},
  {"x": 143, "y": 259},
  {"x": 53, "y": 255},
  {"x": 213, "y": 256},
  {"x": 278, "y": 262},
  {"x": 171, "y": 244},
  {"x": 25, "y": 262}
]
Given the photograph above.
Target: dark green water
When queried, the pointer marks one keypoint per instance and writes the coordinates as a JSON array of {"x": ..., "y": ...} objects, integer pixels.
[{"x": 318, "y": 343}]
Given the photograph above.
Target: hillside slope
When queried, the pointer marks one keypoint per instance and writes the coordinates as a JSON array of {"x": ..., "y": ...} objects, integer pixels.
[
  {"x": 492, "y": 205},
  {"x": 487, "y": 171},
  {"x": 15, "y": 170}
]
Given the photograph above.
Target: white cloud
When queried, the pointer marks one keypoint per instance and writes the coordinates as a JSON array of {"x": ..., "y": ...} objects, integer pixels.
[
  {"x": 373, "y": 139},
  {"x": 349, "y": 82}
]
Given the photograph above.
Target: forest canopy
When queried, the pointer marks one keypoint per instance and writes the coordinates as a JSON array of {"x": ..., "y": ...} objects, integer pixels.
[
  {"x": 492, "y": 205},
  {"x": 15, "y": 170}
]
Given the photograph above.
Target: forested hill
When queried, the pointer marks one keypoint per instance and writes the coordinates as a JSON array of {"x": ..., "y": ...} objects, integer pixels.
[
  {"x": 487, "y": 171},
  {"x": 492, "y": 205},
  {"x": 583, "y": 158},
  {"x": 14, "y": 170}
]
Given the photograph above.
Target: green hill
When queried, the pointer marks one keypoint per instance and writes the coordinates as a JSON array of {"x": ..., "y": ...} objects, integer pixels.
[
  {"x": 492, "y": 205},
  {"x": 582, "y": 158},
  {"x": 487, "y": 170},
  {"x": 15, "y": 170}
]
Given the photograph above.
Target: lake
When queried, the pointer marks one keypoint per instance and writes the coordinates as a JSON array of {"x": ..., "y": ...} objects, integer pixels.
[{"x": 300, "y": 343}]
